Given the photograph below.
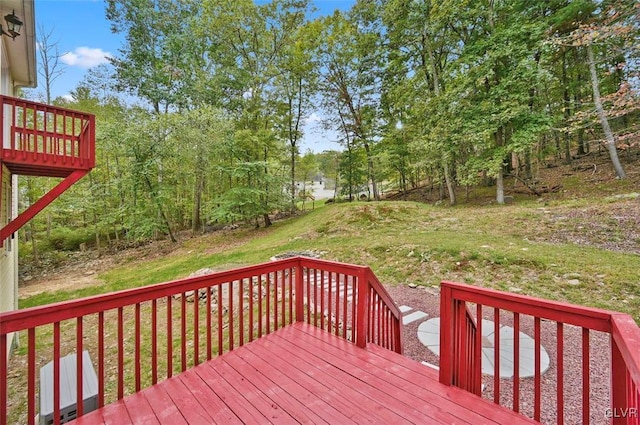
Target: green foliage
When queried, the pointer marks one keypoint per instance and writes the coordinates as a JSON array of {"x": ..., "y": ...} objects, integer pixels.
[
  {"x": 406, "y": 242},
  {"x": 66, "y": 239},
  {"x": 417, "y": 92}
]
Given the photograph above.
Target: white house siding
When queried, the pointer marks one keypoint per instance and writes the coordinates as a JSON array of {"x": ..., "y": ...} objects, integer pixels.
[
  {"x": 8, "y": 252},
  {"x": 8, "y": 209}
]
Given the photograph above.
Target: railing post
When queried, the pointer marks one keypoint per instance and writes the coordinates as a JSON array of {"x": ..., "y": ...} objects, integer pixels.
[
  {"x": 446, "y": 334},
  {"x": 619, "y": 385},
  {"x": 299, "y": 293},
  {"x": 362, "y": 311}
]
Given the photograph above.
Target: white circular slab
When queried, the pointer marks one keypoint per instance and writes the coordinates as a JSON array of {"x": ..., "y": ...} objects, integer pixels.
[{"x": 429, "y": 336}]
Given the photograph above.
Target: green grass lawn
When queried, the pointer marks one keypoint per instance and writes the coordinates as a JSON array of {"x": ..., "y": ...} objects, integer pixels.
[{"x": 518, "y": 248}]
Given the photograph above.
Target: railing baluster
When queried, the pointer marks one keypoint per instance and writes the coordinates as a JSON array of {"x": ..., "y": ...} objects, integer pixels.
[
  {"x": 220, "y": 325},
  {"x": 560, "y": 372},
  {"x": 231, "y": 315},
  {"x": 322, "y": 299},
  {"x": 585, "y": 376},
  {"x": 461, "y": 340},
  {"x": 372, "y": 311},
  {"x": 120, "y": 353},
  {"x": 169, "y": 336},
  {"x": 260, "y": 304},
  {"x": 101, "y": 359},
  {"x": 268, "y": 306},
  {"x": 240, "y": 312},
  {"x": 537, "y": 373},
  {"x": 196, "y": 328},
  {"x": 31, "y": 376},
  {"x": 285, "y": 279},
  {"x": 477, "y": 352},
  {"x": 279, "y": 304},
  {"x": 312, "y": 297},
  {"x": 276, "y": 311},
  {"x": 137, "y": 347},
  {"x": 56, "y": 372},
  {"x": 344, "y": 306},
  {"x": 183, "y": 332},
  {"x": 209, "y": 344},
  {"x": 496, "y": 355},
  {"x": 79, "y": 369},
  {"x": 251, "y": 326},
  {"x": 379, "y": 321},
  {"x": 516, "y": 362},
  {"x": 354, "y": 294},
  {"x": 291, "y": 318},
  {"x": 329, "y": 312},
  {"x": 154, "y": 341},
  {"x": 75, "y": 151},
  {"x": 337, "y": 314}
]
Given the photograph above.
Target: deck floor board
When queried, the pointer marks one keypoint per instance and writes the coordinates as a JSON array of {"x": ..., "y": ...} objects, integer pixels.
[{"x": 302, "y": 374}]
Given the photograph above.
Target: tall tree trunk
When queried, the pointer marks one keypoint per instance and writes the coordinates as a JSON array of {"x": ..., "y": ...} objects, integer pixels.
[
  {"x": 197, "y": 202},
  {"x": 160, "y": 209},
  {"x": 372, "y": 174},
  {"x": 500, "y": 187},
  {"x": 499, "y": 140},
  {"x": 293, "y": 179},
  {"x": 528, "y": 170},
  {"x": 34, "y": 245},
  {"x": 611, "y": 143},
  {"x": 449, "y": 182},
  {"x": 567, "y": 108}
]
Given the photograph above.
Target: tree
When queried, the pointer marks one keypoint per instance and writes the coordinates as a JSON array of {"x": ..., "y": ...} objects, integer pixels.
[
  {"x": 157, "y": 58},
  {"x": 50, "y": 68},
  {"x": 350, "y": 78},
  {"x": 615, "y": 27},
  {"x": 296, "y": 85}
]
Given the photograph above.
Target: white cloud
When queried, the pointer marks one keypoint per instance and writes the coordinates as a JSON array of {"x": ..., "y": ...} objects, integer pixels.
[
  {"x": 314, "y": 118},
  {"x": 68, "y": 97},
  {"x": 85, "y": 57}
]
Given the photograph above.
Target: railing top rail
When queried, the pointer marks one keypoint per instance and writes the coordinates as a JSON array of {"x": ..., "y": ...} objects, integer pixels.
[
  {"x": 382, "y": 293},
  {"x": 9, "y": 100},
  {"x": 588, "y": 317},
  {"x": 329, "y": 265},
  {"x": 41, "y": 315}
]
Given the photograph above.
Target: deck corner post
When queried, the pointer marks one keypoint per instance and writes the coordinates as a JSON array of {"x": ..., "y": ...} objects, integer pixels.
[
  {"x": 362, "y": 318},
  {"x": 299, "y": 292},
  {"x": 446, "y": 334},
  {"x": 619, "y": 385}
]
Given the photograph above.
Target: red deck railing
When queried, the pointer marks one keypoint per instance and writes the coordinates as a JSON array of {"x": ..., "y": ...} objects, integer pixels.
[
  {"x": 45, "y": 140},
  {"x": 140, "y": 336},
  {"x": 461, "y": 343}
]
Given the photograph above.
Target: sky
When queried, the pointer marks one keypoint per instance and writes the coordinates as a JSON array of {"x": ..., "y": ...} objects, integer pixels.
[{"x": 84, "y": 38}]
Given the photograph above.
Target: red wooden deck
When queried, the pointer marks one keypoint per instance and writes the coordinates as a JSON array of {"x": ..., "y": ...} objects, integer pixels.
[{"x": 302, "y": 374}]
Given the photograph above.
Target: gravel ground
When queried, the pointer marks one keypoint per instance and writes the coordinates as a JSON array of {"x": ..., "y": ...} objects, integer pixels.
[{"x": 428, "y": 300}]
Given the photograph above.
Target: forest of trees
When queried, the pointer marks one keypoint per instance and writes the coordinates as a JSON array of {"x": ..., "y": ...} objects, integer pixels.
[{"x": 200, "y": 115}]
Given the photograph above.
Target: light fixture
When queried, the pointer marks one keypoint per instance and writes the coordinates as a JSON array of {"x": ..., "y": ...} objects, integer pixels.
[{"x": 13, "y": 25}]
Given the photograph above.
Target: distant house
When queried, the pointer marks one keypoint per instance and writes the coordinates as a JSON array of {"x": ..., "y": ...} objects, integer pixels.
[{"x": 37, "y": 140}]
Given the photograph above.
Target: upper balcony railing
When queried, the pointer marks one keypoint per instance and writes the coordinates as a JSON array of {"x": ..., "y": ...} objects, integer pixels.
[
  {"x": 567, "y": 330},
  {"x": 141, "y": 336},
  {"x": 45, "y": 140}
]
